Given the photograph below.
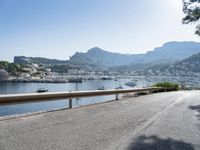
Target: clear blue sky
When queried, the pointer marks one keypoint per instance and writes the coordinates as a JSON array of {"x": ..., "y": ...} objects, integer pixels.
[{"x": 59, "y": 28}]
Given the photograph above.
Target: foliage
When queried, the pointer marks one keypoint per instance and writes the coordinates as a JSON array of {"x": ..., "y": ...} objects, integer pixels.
[
  {"x": 167, "y": 85},
  {"x": 60, "y": 68},
  {"x": 192, "y": 10},
  {"x": 3, "y": 75},
  {"x": 64, "y": 68},
  {"x": 38, "y": 60},
  {"x": 10, "y": 67}
]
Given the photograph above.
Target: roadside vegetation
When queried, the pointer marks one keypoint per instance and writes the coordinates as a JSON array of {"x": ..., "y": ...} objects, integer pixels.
[{"x": 168, "y": 85}]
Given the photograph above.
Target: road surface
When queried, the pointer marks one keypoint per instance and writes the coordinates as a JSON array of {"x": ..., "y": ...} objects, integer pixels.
[{"x": 164, "y": 121}]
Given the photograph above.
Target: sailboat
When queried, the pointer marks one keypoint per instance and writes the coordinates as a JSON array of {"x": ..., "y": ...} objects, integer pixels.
[
  {"x": 131, "y": 84},
  {"x": 119, "y": 87},
  {"x": 101, "y": 88},
  {"x": 41, "y": 90}
]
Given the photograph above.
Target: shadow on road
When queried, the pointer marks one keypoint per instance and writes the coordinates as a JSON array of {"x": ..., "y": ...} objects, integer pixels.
[
  {"x": 197, "y": 108},
  {"x": 156, "y": 143}
]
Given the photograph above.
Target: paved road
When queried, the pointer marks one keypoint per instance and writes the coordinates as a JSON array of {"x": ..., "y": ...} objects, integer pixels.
[{"x": 164, "y": 121}]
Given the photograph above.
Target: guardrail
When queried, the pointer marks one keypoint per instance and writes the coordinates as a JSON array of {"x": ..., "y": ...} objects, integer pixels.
[{"x": 53, "y": 96}]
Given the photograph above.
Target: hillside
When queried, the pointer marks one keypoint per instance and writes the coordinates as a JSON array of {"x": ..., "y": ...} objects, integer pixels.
[
  {"x": 55, "y": 65},
  {"x": 189, "y": 66},
  {"x": 38, "y": 60}
]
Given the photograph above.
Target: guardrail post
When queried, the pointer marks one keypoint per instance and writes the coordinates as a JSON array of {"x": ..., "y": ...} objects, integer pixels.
[
  {"x": 151, "y": 91},
  {"x": 116, "y": 98},
  {"x": 70, "y": 103}
]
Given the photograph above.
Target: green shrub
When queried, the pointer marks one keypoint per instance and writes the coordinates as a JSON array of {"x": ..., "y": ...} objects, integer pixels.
[
  {"x": 168, "y": 85},
  {"x": 11, "y": 68}
]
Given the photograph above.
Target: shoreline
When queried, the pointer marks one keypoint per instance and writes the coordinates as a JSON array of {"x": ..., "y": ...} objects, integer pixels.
[{"x": 35, "y": 81}]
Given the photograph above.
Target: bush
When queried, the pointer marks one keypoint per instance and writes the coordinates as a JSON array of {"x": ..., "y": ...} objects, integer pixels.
[
  {"x": 168, "y": 85},
  {"x": 3, "y": 75},
  {"x": 11, "y": 68}
]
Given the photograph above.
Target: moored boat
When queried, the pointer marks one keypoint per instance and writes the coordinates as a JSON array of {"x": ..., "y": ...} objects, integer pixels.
[
  {"x": 75, "y": 80},
  {"x": 131, "y": 84},
  {"x": 119, "y": 87},
  {"x": 41, "y": 90},
  {"x": 101, "y": 88},
  {"x": 106, "y": 78}
]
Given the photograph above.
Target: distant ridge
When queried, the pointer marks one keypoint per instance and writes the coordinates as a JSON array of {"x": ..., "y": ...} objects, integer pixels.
[
  {"x": 98, "y": 58},
  {"x": 170, "y": 52}
]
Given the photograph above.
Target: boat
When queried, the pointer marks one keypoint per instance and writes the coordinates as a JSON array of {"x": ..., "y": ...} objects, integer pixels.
[
  {"x": 119, "y": 87},
  {"x": 75, "y": 80},
  {"x": 41, "y": 90},
  {"x": 101, "y": 88},
  {"x": 131, "y": 84},
  {"x": 91, "y": 78},
  {"x": 106, "y": 78}
]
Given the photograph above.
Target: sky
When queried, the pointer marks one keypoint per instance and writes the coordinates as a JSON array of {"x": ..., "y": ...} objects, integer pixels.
[{"x": 59, "y": 28}]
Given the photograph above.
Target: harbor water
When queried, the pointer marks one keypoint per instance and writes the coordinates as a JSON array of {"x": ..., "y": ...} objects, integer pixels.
[{"x": 17, "y": 88}]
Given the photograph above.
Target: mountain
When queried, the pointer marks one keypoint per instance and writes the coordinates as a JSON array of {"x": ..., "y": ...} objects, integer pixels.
[
  {"x": 97, "y": 57},
  {"x": 187, "y": 67},
  {"x": 169, "y": 53}
]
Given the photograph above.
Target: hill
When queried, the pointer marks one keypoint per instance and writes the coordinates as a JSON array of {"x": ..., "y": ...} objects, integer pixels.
[
  {"x": 38, "y": 60},
  {"x": 187, "y": 67}
]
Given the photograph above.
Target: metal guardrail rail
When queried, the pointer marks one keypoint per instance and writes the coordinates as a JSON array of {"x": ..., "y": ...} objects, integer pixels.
[{"x": 12, "y": 99}]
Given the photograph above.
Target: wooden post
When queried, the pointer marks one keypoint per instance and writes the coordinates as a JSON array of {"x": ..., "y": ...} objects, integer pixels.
[{"x": 70, "y": 103}]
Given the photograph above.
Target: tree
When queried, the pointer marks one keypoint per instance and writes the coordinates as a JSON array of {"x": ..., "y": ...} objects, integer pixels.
[
  {"x": 3, "y": 75},
  {"x": 192, "y": 10},
  {"x": 11, "y": 67}
]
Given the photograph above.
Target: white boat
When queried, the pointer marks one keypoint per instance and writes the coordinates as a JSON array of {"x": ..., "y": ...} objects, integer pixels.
[
  {"x": 101, "y": 88},
  {"x": 131, "y": 84},
  {"x": 41, "y": 90},
  {"x": 119, "y": 87}
]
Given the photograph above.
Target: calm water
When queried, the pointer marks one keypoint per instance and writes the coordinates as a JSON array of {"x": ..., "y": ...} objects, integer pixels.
[{"x": 14, "y": 88}]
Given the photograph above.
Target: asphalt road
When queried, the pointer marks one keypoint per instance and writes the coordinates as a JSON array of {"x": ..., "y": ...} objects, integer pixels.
[{"x": 164, "y": 121}]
